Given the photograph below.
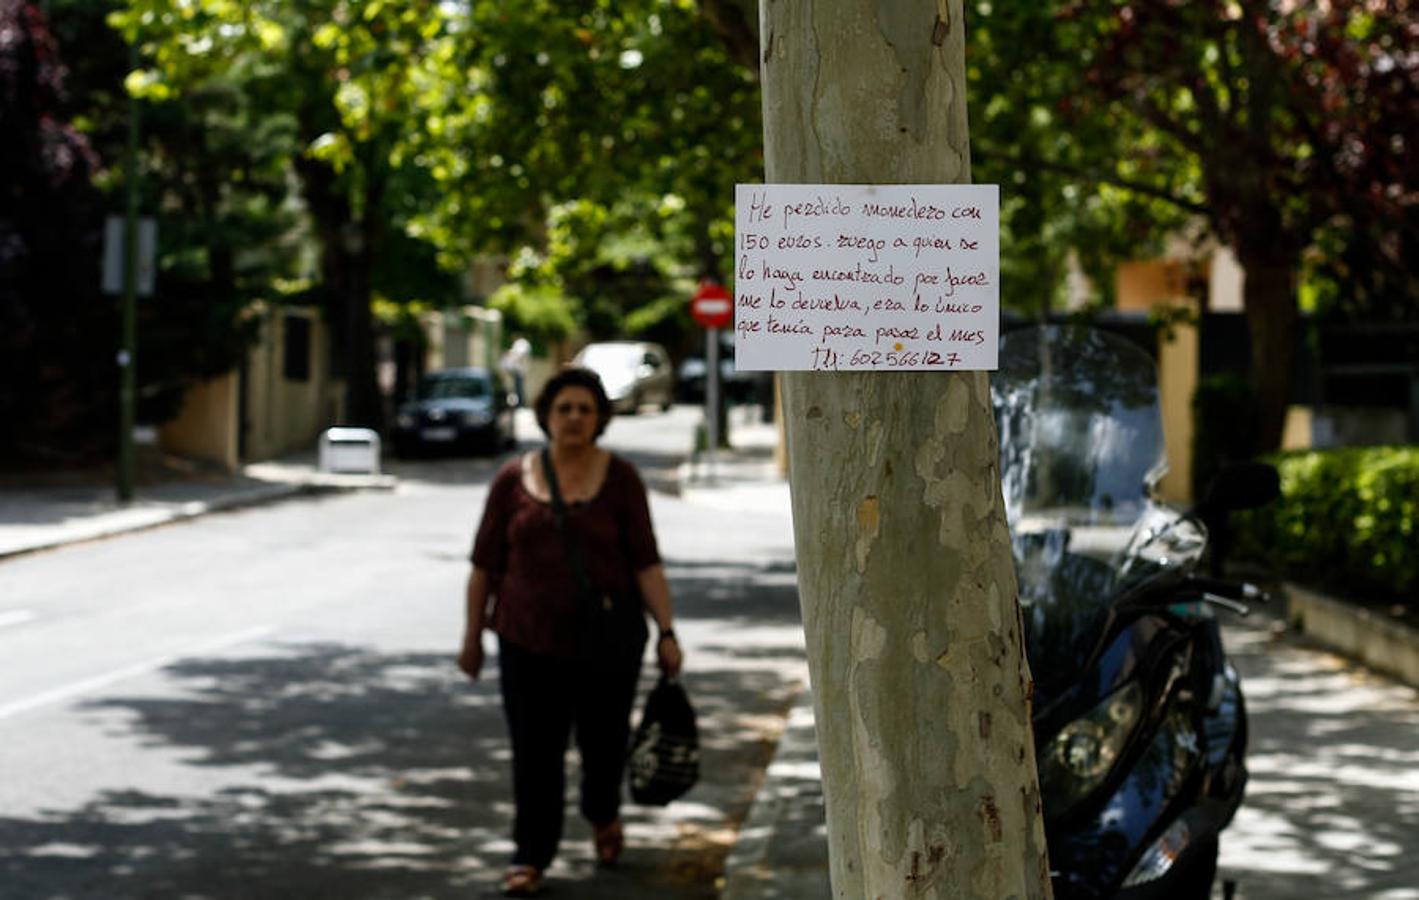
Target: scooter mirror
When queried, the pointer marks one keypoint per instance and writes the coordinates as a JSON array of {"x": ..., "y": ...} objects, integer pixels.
[{"x": 1241, "y": 485}]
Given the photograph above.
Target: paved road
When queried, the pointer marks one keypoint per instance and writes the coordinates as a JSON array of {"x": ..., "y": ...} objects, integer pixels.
[{"x": 263, "y": 703}]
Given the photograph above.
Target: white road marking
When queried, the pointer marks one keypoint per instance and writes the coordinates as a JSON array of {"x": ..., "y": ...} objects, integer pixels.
[
  {"x": 15, "y": 617},
  {"x": 142, "y": 668}
]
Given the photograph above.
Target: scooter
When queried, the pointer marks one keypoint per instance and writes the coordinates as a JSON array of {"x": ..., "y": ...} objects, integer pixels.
[{"x": 1139, "y": 719}]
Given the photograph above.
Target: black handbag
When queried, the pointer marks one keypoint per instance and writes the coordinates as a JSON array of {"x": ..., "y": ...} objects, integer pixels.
[
  {"x": 665, "y": 750},
  {"x": 609, "y": 627}
]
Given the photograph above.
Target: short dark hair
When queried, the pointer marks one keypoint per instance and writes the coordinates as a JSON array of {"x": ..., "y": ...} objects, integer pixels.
[{"x": 573, "y": 376}]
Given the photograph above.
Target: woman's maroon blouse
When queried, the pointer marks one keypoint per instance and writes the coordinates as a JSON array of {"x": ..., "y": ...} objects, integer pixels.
[{"x": 518, "y": 544}]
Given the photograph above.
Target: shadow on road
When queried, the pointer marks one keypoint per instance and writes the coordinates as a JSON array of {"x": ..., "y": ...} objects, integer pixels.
[{"x": 330, "y": 770}]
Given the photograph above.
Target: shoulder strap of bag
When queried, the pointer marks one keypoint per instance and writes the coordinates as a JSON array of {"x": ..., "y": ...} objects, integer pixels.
[{"x": 559, "y": 513}]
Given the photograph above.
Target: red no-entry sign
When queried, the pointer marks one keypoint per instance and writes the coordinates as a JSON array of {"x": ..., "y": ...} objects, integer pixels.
[{"x": 712, "y": 306}]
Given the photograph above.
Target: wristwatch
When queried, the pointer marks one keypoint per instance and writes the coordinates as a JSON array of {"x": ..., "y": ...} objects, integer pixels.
[{"x": 667, "y": 633}]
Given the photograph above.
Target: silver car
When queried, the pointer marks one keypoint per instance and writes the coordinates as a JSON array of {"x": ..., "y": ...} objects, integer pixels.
[{"x": 634, "y": 373}]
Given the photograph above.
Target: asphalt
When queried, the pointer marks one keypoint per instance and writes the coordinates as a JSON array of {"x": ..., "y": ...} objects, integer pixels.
[{"x": 782, "y": 848}]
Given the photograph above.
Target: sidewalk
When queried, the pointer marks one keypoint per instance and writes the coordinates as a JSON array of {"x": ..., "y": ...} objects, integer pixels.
[
  {"x": 52, "y": 511},
  {"x": 743, "y": 478},
  {"x": 781, "y": 852},
  {"x": 782, "y": 849}
]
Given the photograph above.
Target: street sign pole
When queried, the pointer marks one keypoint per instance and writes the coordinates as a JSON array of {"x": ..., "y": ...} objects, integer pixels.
[
  {"x": 127, "y": 384},
  {"x": 711, "y": 399},
  {"x": 713, "y": 309}
]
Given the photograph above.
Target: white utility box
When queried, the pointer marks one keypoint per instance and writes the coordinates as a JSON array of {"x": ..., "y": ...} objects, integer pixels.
[{"x": 349, "y": 450}]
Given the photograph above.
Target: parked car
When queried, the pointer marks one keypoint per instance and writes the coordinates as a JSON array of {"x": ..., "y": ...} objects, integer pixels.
[
  {"x": 634, "y": 373},
  {"x": 467, "y": 409},
  {"x": 738, "y": 387}
]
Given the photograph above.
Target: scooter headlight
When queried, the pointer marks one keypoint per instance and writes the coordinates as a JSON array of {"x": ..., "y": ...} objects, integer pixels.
[{"x": 1080, "y": 756}]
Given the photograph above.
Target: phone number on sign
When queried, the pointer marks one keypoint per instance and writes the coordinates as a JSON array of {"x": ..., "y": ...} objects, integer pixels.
[
  {"x": 905, "y": 359},
  {"x": 827, "y": 358}
]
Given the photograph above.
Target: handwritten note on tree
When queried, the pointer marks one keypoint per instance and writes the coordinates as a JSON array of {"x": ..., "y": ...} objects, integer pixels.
[{"x": 835, "y": 277}]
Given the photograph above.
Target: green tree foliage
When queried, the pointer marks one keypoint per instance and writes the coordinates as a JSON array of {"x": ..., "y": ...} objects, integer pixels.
[
  {"x": 1020, "y": 70},
  {"x": 1347, "y": 519},
  {"x": 56, "y": 348},
  {"x": 597, "y": 144},
  {"x": 1282, "y": 126},
  {"x": 354, "y": 83},
  {"x": 427, "y": 134},
  {"x": 214, "y": 174},
  {"x": 1023, "y": 71},
  {"x": 607, "y": 272}
]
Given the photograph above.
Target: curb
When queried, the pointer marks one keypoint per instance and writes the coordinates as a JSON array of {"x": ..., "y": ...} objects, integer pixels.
[
  {"x": 744, "y": 482},
  {"x": 128, "y": 520},
  {"x": 782, "y": 849},
  {"x": 1381, "y": 644},
  {"x": 144, "y": 519}
]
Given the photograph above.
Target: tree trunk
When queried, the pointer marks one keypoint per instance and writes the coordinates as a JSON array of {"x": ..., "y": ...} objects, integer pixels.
[
  {"x": 346, "y": 265},
  {"x": 921, "y": 689},
  {"x": 363, "y": 405},
  {"x": 1269, "y": 294},
  {"x": 734, "y": 21}
]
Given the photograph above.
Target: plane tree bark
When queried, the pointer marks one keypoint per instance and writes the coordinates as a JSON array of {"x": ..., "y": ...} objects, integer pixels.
[{"x": 921, "y": 689}]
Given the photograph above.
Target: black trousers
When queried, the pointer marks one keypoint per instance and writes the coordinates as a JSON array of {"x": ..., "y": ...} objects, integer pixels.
[{"x": 545, "y": 700}]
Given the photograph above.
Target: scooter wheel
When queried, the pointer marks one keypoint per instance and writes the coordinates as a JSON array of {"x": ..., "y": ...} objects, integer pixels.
[{"x": 1196, "y": 882}]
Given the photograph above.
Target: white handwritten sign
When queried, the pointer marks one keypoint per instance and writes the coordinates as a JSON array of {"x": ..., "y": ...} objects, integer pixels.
[{"x": 837, "y": 277}]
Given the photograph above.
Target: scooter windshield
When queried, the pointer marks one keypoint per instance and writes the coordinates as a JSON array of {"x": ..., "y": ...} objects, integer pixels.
[
  {"x": 1081, "y": 443},
  {"x": 1081, "y": 439}
]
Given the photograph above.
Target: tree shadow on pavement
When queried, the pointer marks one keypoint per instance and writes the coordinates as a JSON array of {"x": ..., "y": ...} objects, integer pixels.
[
  {"x": 329, "y": 770},
  {"x": 342, "y": 773},
  {"x": 1332, "y": 806}
]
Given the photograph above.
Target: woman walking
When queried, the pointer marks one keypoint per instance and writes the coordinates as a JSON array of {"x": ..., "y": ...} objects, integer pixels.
[{"x": 567, "y": 531}]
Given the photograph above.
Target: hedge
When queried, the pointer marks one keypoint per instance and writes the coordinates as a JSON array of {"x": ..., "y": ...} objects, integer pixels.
[{"x": 1347, "y": 519}]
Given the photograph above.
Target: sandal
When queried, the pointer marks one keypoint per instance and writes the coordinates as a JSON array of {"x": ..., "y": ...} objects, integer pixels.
[
  {"x": 609, "y": 839},
  {"x": 521, "y": 881}
]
